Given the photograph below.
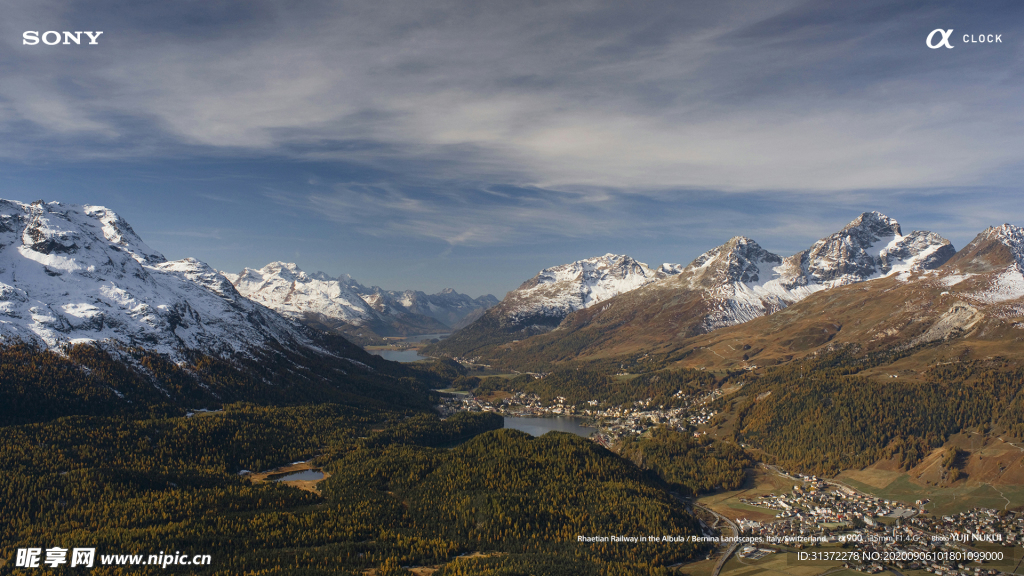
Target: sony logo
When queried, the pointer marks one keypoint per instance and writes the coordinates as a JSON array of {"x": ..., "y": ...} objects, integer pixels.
[{"x": 52, "y": 37}]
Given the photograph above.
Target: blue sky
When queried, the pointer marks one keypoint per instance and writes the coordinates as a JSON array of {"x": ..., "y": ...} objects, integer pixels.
[{"x": 470, "y": 144}]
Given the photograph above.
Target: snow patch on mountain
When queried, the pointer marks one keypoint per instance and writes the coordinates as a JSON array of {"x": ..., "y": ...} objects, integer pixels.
[
  {"x": 1008, "y": 285},
  {"x": 557, "y": 291},
  {"x": 954, "y": 279},
  {"x": 283, "y": 287}
]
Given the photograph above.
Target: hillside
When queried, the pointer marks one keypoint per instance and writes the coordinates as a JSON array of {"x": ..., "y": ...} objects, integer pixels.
[
  {"x": 542, "y": 302},
  {"x": 92, "y": 320}
]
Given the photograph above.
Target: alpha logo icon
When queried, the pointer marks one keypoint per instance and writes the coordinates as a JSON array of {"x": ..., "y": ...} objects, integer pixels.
[
  {"x": 943, "y": 42},
  {"x": 968, "y": 39}
]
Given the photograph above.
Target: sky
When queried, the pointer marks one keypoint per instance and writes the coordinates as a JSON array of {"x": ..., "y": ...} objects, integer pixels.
[{"x": 469, "y": 144}]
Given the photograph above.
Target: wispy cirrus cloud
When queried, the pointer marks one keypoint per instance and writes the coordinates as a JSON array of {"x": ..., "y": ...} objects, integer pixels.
[{"x": 777, "y": 95}]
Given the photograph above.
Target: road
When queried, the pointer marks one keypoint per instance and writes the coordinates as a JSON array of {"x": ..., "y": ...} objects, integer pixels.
[{"x": 732, "y": 548}]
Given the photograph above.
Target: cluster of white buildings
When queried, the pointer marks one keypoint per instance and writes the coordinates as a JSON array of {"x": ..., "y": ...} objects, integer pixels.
[{"x": 885, "y": 533}]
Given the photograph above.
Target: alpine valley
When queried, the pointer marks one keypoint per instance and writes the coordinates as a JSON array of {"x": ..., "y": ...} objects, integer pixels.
[{"x": 871, "y": 385}]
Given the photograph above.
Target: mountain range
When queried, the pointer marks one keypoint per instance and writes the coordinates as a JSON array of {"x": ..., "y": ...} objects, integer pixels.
[
  {"x": 728, "y": 285},
  {"x": 345, "y": 306}
]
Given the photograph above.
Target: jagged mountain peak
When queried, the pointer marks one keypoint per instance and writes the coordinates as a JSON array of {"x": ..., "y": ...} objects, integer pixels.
[
  {"x": 610, "y": 265},
  {"x": 875, "y": 223},
  {"x": 284, "y": 287},
  {"x": 995, "y": 247},
  {"x": 56, "y": 228},
  {"x": 1007, "y": 234},
  {"x": 588, "y": 280},
  {"x": 738, "y": 260},
  {"x": 286, "y": 270},
  {"x": 668, "y": 269},
  {"x": 554, "y": 292},
  {"x": 870, "y": 246}
]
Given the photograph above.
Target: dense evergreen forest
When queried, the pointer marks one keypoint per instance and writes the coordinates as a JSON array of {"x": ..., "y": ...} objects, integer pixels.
[
  {"x": 38, "y": 385},
  {"x": 687, "y": 464},
  {"x": 821, "y": 416}
]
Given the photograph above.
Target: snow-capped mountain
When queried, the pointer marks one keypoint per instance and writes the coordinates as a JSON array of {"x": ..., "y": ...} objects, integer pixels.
[
  {"x": 342, "y": 304},
  {"x": 542, "y": 302},
  {"x": 77, "y": 274},
  {"x": 555, "y": 292},
  {"x": 990, "y": 270},
  {"x": 969, "y": 309},
  {"x": 283, "y": 287},
  {"x": 742, "y": 281},
  {"x": 871, "y": 246}
]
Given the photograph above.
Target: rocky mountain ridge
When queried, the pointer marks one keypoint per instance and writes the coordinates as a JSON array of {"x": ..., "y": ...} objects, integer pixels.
[
  {"x": 742, "y": 281},
  {"x": 559, "y": 290},
  {"x": 543, "y": 302},
  {"x": 448, "y": 307}
]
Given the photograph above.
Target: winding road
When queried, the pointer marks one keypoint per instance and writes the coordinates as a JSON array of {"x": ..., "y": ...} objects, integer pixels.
[{"x": 732, "y": 548}]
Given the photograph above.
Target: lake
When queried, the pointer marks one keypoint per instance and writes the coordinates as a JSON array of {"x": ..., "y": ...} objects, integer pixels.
[
  {"x": 406, "y": 355},
  {"x": 540, "y": 425},
  {"x": 303, "y": 475},
  {"x": 398, "y": 355}
]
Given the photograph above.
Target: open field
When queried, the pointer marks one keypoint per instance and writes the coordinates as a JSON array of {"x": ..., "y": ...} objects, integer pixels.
[
  {"x": 496, "y": 396},
  {"x": 944, "y": 500},
  {"x": 307, "y": 485},
  {"x": 759, "y": 482},
  {"x": 699, "y": 568}
]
